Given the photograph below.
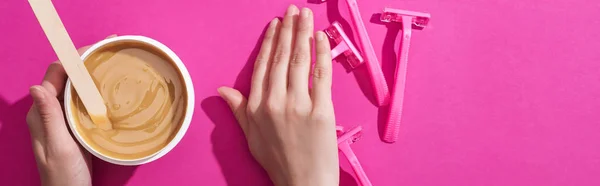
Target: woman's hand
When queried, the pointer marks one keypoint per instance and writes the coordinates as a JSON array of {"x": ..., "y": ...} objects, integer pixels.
[
  {"x": 60, "y": 160},
  {"x": 290, "y": 128}
]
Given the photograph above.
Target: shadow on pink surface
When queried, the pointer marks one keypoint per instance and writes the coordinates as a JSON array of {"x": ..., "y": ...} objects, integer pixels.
[
  {"x": 231, "y": 149},
  {"x": 346, "y": 179},
  {"x": 15, "y": 144},
  {"x": 104, "y": 173},
  {"x": 389, "y": 58},
  {"x": 229, "y": 144},
  {"x": 360, "y": 73}
]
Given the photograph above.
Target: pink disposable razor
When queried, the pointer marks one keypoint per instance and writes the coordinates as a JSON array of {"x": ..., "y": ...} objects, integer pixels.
[
  {"x": 377, "y": 79},
  {"x": 344, "y": 45},
  {"x": 339, "y": 129},
  {"x": 408, "y": 20},
  {"x": 344, "y": 142}
]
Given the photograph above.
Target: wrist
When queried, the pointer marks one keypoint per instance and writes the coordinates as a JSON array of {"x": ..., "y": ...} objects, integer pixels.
[{"x": 59, "y": 177}]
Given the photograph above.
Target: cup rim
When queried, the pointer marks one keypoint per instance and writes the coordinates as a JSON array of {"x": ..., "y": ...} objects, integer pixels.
[{"x": 188, "y": 111}]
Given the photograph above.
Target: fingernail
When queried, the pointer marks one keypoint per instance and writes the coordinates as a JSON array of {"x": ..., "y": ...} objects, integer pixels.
[
  {"x": 305, "y": 13},
  {"x": 220, "y": 91},
  {"x": 274, "y": 22},
  {"x": 292, "y": 10},
  {"x": 320, "y": 36}
]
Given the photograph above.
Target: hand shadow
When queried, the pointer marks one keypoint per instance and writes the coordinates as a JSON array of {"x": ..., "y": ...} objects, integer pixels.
[
  {"x": 15, "y": 144},
  {"x": 104, "y": 173},
  {"x": 231, "y": 149},
  {"x": 229, "y": 144},
  {"x": 361, "y": 73},
  {"x": 389, "y": 58},
  {"x": 346, "y": 179}
]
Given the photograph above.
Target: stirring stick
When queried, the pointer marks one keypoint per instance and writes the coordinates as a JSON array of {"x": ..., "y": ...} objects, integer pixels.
[{"x": 71, "y": 61}]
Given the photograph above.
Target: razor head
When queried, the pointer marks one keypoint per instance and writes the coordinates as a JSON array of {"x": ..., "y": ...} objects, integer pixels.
[
  {"x": 353, "y": 135},
  {"x": 339, "y": 130},
  {"x": 316, "y": 1},
  {"x": 419, "y": 19},
  {"x": 337, "y": 34}
]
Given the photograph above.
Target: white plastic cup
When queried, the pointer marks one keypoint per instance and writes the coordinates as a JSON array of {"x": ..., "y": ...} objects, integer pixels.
[{"x": 189, "y": 110}]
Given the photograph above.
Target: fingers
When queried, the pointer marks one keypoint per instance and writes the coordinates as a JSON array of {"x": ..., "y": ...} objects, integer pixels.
[
  {"x": 322, "y": 71},
  {"x": 300, "y": 61},
  {"x": 49, "y": 114},
  {"x": 279, "y": 67},
  {"x": 45, "y": 118},
  {"x": 54, "y": 80},
  {"x": 259, "y": 84},
  {"x": 237, "y": 103}
]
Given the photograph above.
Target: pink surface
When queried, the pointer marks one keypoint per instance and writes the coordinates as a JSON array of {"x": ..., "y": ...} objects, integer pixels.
[{"x": 498, "y": 92}]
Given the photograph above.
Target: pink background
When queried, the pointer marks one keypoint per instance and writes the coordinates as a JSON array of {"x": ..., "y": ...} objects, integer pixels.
[{"x": 499, "y": 92}]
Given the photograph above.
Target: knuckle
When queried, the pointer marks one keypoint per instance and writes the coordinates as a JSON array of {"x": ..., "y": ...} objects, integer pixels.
[
  {"x": 260, "y": 60},
  {"x": 46, "y": 116},
  {"x": 280, "y": 56},
  {"x": 323, "y": 53},
  {"x": 321, "y": 116},
  {"x": 305, "y": 27},
  {"x": 320, "y": 72},
  {"x": 273, "y": 107},
  {"x": 300, "y": 110},
  {"x": 270, "y": 35},
  {"x": 298, "y": 59},
  {"x": 287, "y": 25}
]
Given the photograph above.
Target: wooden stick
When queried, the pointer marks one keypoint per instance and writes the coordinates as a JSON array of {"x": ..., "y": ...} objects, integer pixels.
[{"x": 71, "y": 61}]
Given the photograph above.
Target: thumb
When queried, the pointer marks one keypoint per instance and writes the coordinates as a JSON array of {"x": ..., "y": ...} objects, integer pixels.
[
  {"x": 237, "y": 103},
  {"x": 49, "y": 116}
]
